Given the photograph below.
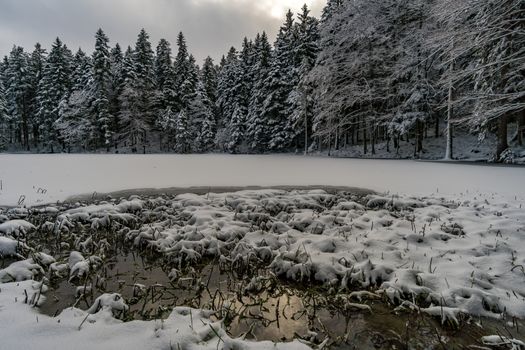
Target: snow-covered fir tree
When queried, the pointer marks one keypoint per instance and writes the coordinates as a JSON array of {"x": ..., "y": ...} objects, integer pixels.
[
  {"x": 168, "y": 123},
  {"x": 200, "y": 110},
  {"x": 183, "y": 139},
  {"x": 75, "y": 123},
  {"x": 283, "y": 76},
  {"x": 18, "y": 95},
  {"x": 117, "y": 80},
  {"x": 209, "y": 79},
  {"x": 182, "y": 68},
  {"x": 54, "y": 87},
  {"x": 300, "y": 104},
  {"x": 102, "y": 118},
  {"x": 4, "y": 116},
  {"x": 232, "y": 102},
  {"x": 36, "y": 67},
  {"x": 256, "y": 130}
]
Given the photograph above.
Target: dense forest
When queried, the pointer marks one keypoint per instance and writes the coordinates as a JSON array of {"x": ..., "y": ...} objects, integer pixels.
[{"x": 366, "y": 72}]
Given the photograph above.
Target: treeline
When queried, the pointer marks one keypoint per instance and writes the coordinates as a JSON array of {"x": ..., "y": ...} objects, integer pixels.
[
  {"x": 367, "y": 72},
  {"x": 139, "y": 100}
]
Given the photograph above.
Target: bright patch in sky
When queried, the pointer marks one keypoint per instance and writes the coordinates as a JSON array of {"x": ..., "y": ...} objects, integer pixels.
[
  {"x": 279, "y": 7},
  {"x": 275, "y": 8}
]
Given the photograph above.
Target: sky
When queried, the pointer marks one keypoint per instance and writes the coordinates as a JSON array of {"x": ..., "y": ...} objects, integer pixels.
[{"x": 211, "y": 26}]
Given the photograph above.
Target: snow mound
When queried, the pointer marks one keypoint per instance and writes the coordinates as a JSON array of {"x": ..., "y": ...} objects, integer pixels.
[{"x": 16, "y": 228}]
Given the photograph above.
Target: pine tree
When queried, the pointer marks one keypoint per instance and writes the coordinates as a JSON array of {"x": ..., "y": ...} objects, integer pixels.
[
  {"x": 142, "y": 91},
  {"x": 163, "y": 64},
  {"x": 4, "y": 116},
  {"x": 117, "y": 81},
  {"x": 166, "y": 97},
  {"x": 209, "y": 79},
  {"x": 182, "y": 132},
  {"x": 37, "y": 62},
  {"x": 18, "y": 94},
  {"x": 132, "y": 125},
  {"x": 75, "y": 124},
  {"x": 189, "y": 85},
  {"x": 82, "y": 70},
  {"x": 182, "y": 72},
  {"x": 256, "y": 128},
  {"x": 232, "y": 114},
  {"x": 168, "y": 123},
  {"x": 282, "y": 78},
  {"x": 200, "y": 112},
  {"x": 101, "y": 91},
  {"x": 300, "y": 104},
  {"x": 54, "y": 87}
]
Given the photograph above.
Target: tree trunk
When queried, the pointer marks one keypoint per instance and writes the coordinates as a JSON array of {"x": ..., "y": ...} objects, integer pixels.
[
  {"x": 521, "y": 121},
  {"x": 374, "y": 141},
  {"x": 365, "y": 145},
  {"x": 449, "y": 153},
  {"x": 503, "y": 143},
  {"x": 420, "y": 134},
  {"x": 305, "y": 125},
  {"x": 329, "y": 143}
]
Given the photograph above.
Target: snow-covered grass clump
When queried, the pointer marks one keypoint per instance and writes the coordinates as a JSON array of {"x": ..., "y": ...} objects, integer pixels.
[
  {"x": 449, "y": 258},
  {"x": 467, "y": 255},
  {"x": 463, "y": 255}
]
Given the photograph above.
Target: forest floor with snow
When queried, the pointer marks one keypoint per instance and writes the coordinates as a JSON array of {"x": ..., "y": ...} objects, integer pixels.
[
  {"x": 431, "y": 257},
  {"x": 466, "y": 148}
]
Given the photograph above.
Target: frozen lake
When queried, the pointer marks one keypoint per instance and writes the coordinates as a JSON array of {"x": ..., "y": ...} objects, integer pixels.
[{"x": 54, "y": 177}]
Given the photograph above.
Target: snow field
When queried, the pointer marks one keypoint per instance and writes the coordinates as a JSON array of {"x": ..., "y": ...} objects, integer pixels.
[{"x": 41, "y": 179}]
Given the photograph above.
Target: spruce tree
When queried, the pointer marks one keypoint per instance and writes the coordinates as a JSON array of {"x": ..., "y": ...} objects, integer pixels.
[
  {"x": 144, "y": 85},
  {"x": 101, "y": 90},
  {"x": 181, "y": 71},
  {"x": 200, "y": 112},
  {"x": 168, "y": 123},
  {"x": 232, "y": 114},
  {"x": 117, "y": 80},
  {"x": 182, "y": 132},
  {"x": 132, "y": 125},
  {"x": 75, "y": 124},
  {"x": 300, "y": 104},
  {"x": 282, "y": 78},
  {"x": 53, "y": 88},
  {"x": 18, "y": 94},
  {"x": 166, "y": 97},
  {"x": 209, "y": 79},
  {"x": 37, "y": 62},
  {"x": 257, "y": 131},
  {"x": 163, "y": 64},
  {"x": 4, "y": 117},
  {"x": 82, "y": 69}
]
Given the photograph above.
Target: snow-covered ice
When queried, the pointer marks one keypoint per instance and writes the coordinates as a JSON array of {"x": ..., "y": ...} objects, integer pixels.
[{"x": 49, "y": 178}]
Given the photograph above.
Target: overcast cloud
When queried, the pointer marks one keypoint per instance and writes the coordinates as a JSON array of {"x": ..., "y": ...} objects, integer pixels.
[{"x": 210, "y": 26}]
